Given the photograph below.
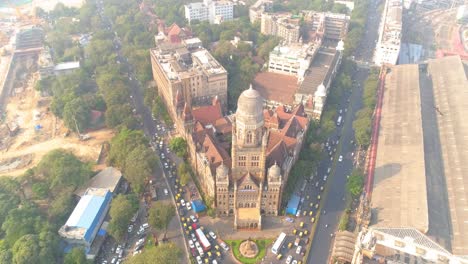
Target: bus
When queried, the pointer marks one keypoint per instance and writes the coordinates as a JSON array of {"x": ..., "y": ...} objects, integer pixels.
[
  {"x": 278, "y": 243},
  {"x": 338, "y": 122},
  {"x": 203, "y": 240}
]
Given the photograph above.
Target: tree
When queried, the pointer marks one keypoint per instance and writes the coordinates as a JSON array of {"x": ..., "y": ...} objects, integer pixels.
[
  {"x": 21, "y": 221},
  {"x": 123, "y": 207},
  {"x": 26, "y": 250},
  {"x": 355, "y": 183},
  {"x": 123, "y": 143},
  {"x": 76, "y": 115},
  {"x": 160, "y": 215},
  {"x": 61, "y": 205},
  {"x": 139, "y": 165},
  {"x": 63, "y": 169},
  {"x": 362, "y": 131},
  {"x": 162, "y": 254},
  {"x": 184, "y": 172},
  {"x": 76, "y": 256},
  {"x": 179, "y": 146}
]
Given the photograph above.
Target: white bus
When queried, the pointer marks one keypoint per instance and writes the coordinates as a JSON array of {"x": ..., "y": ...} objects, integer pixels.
[
  {"x": 278, "y": 243},
  {"x": 203, "y": 240},
  {"x": 338, "y": 122}
]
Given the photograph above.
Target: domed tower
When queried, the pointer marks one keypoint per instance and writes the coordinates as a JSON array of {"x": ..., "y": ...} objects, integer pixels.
[
  {"x": 222, "y": 190},
  {"x": 319, "y": 99},
  {"x": 274, "y": 190},
  {"x": 248, "y": 139}
]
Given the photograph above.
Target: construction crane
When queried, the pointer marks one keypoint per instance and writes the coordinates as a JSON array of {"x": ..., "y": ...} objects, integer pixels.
[{"x": 32, "y": 19}]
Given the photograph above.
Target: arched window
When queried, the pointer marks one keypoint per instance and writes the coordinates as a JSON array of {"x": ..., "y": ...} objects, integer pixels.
[{"x": 249, "y": 137}]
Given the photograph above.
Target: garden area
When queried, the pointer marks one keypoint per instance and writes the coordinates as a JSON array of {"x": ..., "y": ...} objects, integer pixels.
[{"x": 262, "y": 245}]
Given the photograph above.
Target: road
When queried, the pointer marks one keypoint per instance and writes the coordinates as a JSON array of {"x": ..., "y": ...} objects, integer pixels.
[
  {"x": 152, "y": 128},
  {"x": 333, "y": 205}
]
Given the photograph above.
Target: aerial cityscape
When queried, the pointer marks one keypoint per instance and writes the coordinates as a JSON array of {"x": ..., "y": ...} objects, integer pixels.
[{"x": 233, "y": 131}]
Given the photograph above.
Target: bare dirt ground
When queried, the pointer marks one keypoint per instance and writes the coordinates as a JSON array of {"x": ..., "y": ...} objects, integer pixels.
[{"x": 39, "y": 132}]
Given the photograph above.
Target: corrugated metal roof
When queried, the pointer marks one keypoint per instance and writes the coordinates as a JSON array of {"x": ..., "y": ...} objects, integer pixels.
[{"x": 85, "y": 211}]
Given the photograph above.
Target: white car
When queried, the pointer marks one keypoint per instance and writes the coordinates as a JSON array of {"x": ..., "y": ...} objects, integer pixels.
[
  {"x": 189, "y": 207},
  {"x": 340, "y": 159},
  {"x": 298, "y": 250},
  {"x": 289, "y": 259},
  {"x": 190, "y": 243},
  {"x": 130, "y": 228},
  {"x": 166, "y": 192},
  {"x": 199, "y": 260},
  {"x": 212, "y": 234},
  {"x": 182, "y": 202},
  {"x": 194, "y": 219},
  {"x": 298, "y": 213},
  {"x": 224, "y": 246}
]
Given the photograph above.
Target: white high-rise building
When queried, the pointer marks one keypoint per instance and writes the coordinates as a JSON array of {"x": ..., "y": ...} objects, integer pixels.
[
  {"x": 213, "y": 11},
  {"x": 388, "y": 45}
]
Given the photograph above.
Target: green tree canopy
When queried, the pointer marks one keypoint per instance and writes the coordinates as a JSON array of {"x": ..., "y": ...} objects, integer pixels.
[
  {"x": 355, "y": 182},
  {"x": 179, "y": 146},
  {"x": 63, "y": 169},
  {"x": 123, "y": 207},
  {"x": 162, "y": 254},
  {"x": 76, "y": 256},
  {"x": 21, "y": 221},
  {"x": 160, "y": 215},
  {"x": 184, "y": 172},
  {"x": 26, "y": 250}
]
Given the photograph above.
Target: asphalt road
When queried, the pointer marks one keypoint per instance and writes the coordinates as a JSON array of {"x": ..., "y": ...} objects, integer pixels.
[
  {"x": 149, "y": 126},
  {"x": 333, "y": 204}
]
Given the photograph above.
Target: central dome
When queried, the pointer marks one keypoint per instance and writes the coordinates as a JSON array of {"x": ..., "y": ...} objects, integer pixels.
[{"x": 250, "y": 107}]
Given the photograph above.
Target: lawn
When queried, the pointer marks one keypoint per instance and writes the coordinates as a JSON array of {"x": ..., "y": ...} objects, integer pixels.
[{"x": 262, "y": 246}]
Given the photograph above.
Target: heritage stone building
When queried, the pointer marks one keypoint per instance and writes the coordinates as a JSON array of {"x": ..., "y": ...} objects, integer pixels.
[{"x": 264, "y": 144}]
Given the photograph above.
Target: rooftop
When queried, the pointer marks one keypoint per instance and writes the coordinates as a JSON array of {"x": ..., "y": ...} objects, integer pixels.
[
  {"x": 84, "y": 219},
  {"x": 317, "y": 73},
  {"x": 108, "y": 178},
  {"x": 449, "y": 81},
  {"x": 399, "y": 197},
  {"x": 392, "y": 22},
  {"x": 294, "y": 51},
  {"x": 67, "y": 66},
  {"x": 276, "y": 87}
]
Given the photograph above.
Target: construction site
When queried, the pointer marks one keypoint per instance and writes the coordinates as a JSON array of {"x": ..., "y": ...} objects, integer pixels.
[{"x": 28, "y": 129}]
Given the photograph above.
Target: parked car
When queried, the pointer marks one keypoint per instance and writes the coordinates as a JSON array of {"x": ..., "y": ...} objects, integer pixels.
[{"x": 212, "y": 234}]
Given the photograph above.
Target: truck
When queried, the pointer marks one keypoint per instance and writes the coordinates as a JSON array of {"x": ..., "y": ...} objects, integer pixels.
[{"x": 153, "y": 193}]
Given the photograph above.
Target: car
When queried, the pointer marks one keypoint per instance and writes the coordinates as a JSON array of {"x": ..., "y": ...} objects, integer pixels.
[
  {"x": 194, "y": 239},
  {"x": 325, "y": 178},
  {"x": 289, "y": 259},
  {"x": 140, "y": 241},
  {"x": 136, "y": 252},
  {"x": 298, "y": 250},
  {"x": 331, "y": 158},
  {"x": 279, "y": 256},
  {"x": 319, "y": 197},
  {"x": 166, "y": 192},
  {"x": 193, "y": 218},
  {"x": 301, "y": 224},
  {"x": 298, "y": 213},
  {"x": 199, "y": 260},
  {"x": 304, "y": 213},
  {"x": 166, "y": 166},
  {"x": 118, "y": 250},
  {"x": 182, "y": 202},
  {"x": 316, "y": 184},
  {"x": 212, "y": 234},
  {"x": 321, "y": 188},
  {"x": 189, "y": 207},
  {"x": 340, "y": 158},
  {"x": 190, "y": 243},
  {"x": 328, "y": 170},
  {"x": 311, "y": 213},
  {"x": 290, "y": 244},
  {"x": 114, "y": 259},
  {"x": 130, "y": 228},
  {"x": 224, "y": 246},
  {"x": 214, "y": 261},
  {"x": 301, "y": 234},
  {"x": 316, "y": 206}
]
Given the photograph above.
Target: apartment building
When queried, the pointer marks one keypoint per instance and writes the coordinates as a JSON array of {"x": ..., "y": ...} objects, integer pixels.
[
  {"x": 258, "y": 8},
  {"x": 285, "y": 26},
  {"x": 389, "y": 42},
  {"x": 187, "y": 72},
  {"x": 213, "y": 11}
]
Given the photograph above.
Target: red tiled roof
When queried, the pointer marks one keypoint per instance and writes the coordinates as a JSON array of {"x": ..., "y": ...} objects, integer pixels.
[
  {"x": 214, "y": 153},
  {"x": 276, "y": 87},
  {"x": 223, "y": 125},
  {"x": 208, "y": 114}
]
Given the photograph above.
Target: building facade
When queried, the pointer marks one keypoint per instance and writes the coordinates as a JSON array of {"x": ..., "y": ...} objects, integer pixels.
[
  {"x": 213, "y": 11},
  {"x": 293, "y": 59},
  {"x": 389, "y": 42},
  {"x": 189, "y": 72},
  {"x": 258, "y": 8},
  {"x": 282, "y": 25}
]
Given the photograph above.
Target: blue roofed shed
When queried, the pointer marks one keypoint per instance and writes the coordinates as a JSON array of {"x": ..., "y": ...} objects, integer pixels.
[
  {"x": 198, "y": 206},
  {"x": 87, "y": 217},
  {"x": 293, "y": 205}
]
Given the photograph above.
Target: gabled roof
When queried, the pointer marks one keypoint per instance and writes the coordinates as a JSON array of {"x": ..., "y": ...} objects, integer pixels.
[{"x": 246, "y": 179}]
